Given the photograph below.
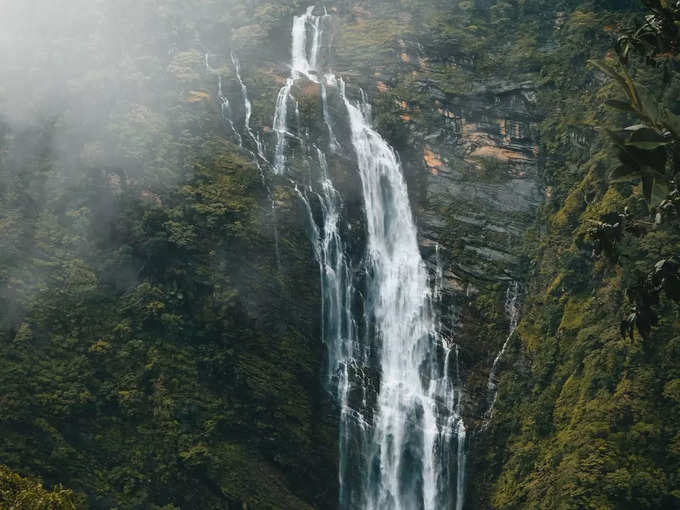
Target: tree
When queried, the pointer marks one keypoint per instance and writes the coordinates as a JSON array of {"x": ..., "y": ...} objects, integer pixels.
[{"x": 18, "y": 493}]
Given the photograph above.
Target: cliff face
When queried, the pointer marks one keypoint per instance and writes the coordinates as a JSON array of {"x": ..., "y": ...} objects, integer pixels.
[
  {"x": 467, "y": 136},
  {"x": 490, "y": 106},
  {"x": 482, "y": 192}
]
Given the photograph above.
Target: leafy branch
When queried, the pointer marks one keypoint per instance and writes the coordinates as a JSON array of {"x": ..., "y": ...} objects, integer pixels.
[
  {"x": 645, "y": 295},
  {"x": 658, "y": 34},
  {"x": 645, "y": 150},
  {"x": 648, "y": 152}
]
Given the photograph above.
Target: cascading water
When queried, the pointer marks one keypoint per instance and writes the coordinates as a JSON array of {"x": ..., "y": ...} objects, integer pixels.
[
  {"x": 416, "y": 411},
  {"x": 225, "y": 106},
  {"x": 248, "y": 112},
  {"x": 396, "y": 380},
  {"x": 512, "y": 309},
  {"x": 338, "y": 328},
  {"x": 304, "y": 62},
  {"x": 258, "y": 156}
]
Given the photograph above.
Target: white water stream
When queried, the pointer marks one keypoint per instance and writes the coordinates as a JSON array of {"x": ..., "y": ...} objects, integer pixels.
[
  {"x": 512, "y": 309},
  {"x": 396, "y": 380},
  {"x": 398, "y": 385}
]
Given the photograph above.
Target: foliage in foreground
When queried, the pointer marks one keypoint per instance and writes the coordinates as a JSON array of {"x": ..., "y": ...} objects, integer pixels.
[
  {"x": 648, "y": 151},
  {"x": 17, "y": 493}
]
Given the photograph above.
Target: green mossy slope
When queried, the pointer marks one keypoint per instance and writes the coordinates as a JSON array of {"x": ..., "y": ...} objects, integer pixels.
[{"x": 587, "y": 419}]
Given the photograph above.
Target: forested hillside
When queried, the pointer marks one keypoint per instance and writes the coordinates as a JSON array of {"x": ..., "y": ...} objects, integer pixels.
[
  {"x": 165, "y": 312},
  {"x": 588, "y": 416},
  {"x": 152, "y": 352}
]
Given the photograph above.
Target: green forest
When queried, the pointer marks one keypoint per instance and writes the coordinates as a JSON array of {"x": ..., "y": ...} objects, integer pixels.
[{"x": 166, "y": 314}]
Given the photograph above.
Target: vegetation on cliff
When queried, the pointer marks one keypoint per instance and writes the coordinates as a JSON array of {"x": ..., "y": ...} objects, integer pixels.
[
  {"x": 17, "y": 493},
  {"x": 153, "y": 353},
  {"x": 588, "y": 418}
]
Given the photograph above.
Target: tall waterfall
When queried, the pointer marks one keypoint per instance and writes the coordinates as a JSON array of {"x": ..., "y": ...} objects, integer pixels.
[
  {"x": 306, "y": 47},
  {"x": 415, "y": 416},
  {"x": 398, "y": 384},
  {"x": 395, "y": 378}
]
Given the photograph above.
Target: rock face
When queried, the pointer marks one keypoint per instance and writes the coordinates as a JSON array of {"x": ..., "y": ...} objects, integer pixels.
[
  {"x": 480, "y": 195},
  {"x": 470, "y": 158},
  {"x": 225, "y": 355},
  {"x": 481, "y": 164},
  {"x": 472, "y": 162},
  {"x": 470, "y": 155}
]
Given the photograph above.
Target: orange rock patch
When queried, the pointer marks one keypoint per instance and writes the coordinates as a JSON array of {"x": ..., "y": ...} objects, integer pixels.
[
  {"x": 446, "y": 113},
  {"x": 490, "y": 151},
  {"x": 432, "y": 160}
]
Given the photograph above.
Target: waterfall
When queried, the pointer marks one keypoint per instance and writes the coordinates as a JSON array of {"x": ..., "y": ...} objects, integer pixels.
[
  {"x": 280, "y": 125},
  {"x": 512, "y": 310},
  {"x": 395, "y": 378},
  {"x": 338, "y": 326},
  {"x": 304, "y": 61},
  {"x": 248, "y": 112},
  {"x": 225, "y": 106},
  {"x": 417, "y": 406},
  {"x": 258, "y": 156}
]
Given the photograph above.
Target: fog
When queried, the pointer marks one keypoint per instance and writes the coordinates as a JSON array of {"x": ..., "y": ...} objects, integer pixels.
[
  {"x": 105, "y": 72},
  {"x": 50, "y": 51},
  {"x": 71, "y": 63},
  {"x": 97, "y": 96}
]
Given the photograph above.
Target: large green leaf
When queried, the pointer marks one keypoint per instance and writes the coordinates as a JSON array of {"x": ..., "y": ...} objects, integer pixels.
[
  {"x": 654, "y": 159},
  {"x": 620, "y": 105},
  {"x": 646, "y": 138},
  {"x": 654, "y": 189},
  {"x": 648, "y": 106},
  {"x": 632, "y": 156},
  {"x": 659, "y": 192}
]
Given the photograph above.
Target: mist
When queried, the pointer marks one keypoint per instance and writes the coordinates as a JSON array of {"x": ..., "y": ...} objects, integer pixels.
[{"x": 106, "y": 73}]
